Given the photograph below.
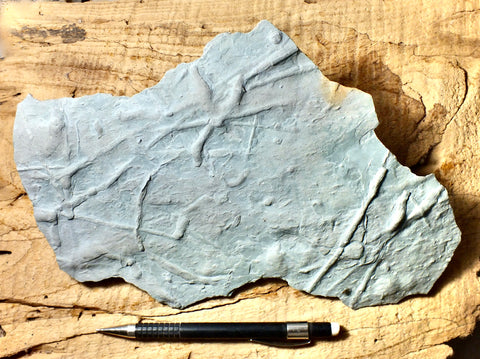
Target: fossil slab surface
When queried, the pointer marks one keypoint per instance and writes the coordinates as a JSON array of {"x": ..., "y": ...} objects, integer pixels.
[{"x": 246, "y": 163}]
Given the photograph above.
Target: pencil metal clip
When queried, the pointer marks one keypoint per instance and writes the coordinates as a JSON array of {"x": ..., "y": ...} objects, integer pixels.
[
  {"x": 297, "y": 336},
  {"x": 283, "y": 343}
]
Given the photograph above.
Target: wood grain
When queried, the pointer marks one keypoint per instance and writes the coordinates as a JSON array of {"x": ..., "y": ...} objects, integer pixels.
[{"x": 419, "y": 61}]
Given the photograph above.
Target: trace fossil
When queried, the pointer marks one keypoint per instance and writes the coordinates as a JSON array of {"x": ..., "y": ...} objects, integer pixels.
[{"x": 246, "y": 163}]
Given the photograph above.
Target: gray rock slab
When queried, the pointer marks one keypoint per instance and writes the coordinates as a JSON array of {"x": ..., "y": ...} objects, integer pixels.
[{"x": 247, "y": 163}]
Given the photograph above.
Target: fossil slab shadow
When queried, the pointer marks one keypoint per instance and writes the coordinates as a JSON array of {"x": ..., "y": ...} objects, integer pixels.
[{"x": 246, "y": 163}]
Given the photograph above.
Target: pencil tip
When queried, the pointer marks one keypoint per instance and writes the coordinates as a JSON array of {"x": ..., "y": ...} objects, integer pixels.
[{"x": 127, "y": 331}]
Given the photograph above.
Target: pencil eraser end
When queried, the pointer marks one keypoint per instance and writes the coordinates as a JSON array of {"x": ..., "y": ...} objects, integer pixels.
[{"x": 335, "y": 328}]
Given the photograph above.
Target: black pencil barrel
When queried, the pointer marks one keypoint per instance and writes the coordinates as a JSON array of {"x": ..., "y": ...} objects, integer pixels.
[{"x": 231, "y": 331}]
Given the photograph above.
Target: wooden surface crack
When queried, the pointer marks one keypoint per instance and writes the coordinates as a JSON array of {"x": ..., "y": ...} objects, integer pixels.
[
  {"x": 258, "y": 294},
  {"x": 27, "y": 351}
]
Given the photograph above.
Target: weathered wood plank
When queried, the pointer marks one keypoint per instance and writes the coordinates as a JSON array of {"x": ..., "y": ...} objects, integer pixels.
[{"x": 419, "y": 61}]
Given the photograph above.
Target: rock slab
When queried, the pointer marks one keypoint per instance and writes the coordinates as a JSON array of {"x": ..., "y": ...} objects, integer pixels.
[{"x": 246, "y": 163}]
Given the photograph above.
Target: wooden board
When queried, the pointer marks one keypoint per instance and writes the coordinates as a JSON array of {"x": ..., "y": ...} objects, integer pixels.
[{"x": 419, "y": 60}]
